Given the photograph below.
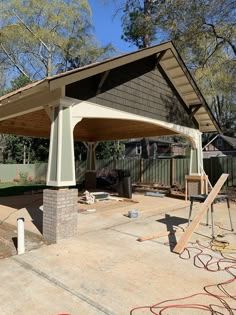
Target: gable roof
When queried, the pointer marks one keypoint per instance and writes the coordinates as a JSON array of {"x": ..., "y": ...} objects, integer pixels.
[
  {"x": 230, "y": 140},
  {"x": 153, "y": 139},
  {"x": 149, "y": 139},
  {"x": 167, "y": 58}
]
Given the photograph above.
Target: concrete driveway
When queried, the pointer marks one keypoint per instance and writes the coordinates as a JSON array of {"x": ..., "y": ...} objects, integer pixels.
[{"x": 105, "y": 270}]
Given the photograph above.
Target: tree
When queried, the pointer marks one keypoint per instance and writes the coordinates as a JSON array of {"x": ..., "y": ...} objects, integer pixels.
[
  {"x": 18, "y": 149},
  {"x": 39, "y": 38},
  {"x": 205, "y": 34},
  {"x": 140, "y": 21},
  {"x": 206, "y": 37},
  {"x": 195, "y": 21},
  {"x": 108, "y": 149}
]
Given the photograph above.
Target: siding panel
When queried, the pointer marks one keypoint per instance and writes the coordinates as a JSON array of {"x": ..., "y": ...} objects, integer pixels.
[{"x": 136, "y": 88}]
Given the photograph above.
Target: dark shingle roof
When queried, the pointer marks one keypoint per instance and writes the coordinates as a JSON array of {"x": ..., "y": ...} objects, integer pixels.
[{"x": 230, "y": 140}]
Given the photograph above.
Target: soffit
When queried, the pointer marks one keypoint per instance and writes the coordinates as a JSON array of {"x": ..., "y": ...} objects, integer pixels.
[
  {"x": 187, "y": 88},
  {"x": 38, "y": 124}
]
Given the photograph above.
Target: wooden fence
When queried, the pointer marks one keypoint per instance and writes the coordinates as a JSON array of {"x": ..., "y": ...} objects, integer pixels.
[
  {"x": 12, "y": 172},
  {"x": 215, "y": 166},
  {"x": 168, "y": 172}
]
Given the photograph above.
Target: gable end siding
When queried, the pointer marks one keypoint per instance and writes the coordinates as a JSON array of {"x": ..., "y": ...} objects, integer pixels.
[{"x": 136, "y": 88}]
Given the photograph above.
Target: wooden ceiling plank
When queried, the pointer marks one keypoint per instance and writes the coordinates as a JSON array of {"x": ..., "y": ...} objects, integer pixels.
[{"x": 27, "y": 105}]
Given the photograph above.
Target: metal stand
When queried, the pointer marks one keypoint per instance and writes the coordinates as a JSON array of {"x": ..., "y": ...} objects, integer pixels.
[{"x": 201, "y": 198}]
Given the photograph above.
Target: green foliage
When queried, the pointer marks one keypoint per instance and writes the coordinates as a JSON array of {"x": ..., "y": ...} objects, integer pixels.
[
  {"x": 23, "y": 177},
  {"x": 110, "y": 149},
  {"x": 80, "y": 151},
  {"x": 201, "y": 28},
  {"x": 39, "y": 150},
  {"x": 17, "y": 83},
  {"x": 18, "y": 149},
  {"x": 139, "y": 22},
  {"x": 55, "y": 35},
  {"x": 205, "y": 34}
]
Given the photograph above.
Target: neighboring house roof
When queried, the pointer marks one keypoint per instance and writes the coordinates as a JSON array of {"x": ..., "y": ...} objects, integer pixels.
[
  {"x": 154, "y": 139},
  {"x": 165, "y": 55},
  {"x": 230, "y": 140}
]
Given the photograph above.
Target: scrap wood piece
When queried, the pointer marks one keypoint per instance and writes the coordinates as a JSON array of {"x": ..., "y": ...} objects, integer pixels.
[
  {"x": 203, "y": 209},
  {"x": 154, "y": 194},
  {"x": 150, "y": 237}
]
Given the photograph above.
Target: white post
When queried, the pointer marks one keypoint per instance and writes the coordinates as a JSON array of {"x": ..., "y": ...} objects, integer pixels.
[{"x": 20, "y": 236}]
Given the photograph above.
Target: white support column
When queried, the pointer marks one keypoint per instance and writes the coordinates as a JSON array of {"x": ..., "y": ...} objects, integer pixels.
[
  {"x": 60, "y": 205},
  {"x": 91, "y": 155},
  {"x": 196, "y": 156},
  {"x": 61, "y": 165}
]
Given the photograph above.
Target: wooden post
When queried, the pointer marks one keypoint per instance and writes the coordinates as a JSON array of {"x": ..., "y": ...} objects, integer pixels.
[
  {"x": 172, "y": 172},
  {"x": 115, "y": 163},
  {"x": 186, "y": 189},
  {"x": 159, "y": 235},
  {"x": 141, "y": 170}
]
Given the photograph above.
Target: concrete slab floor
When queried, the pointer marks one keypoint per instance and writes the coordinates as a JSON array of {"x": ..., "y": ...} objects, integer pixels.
[{"x": 106, "y": 271}]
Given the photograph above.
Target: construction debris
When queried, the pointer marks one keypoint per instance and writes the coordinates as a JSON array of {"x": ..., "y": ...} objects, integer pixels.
[
  {"x": 133, "y": 213},
  {"x": 154, "y": 194},
  {"x": 203, "y": 209},
  {"x": 91, "y": 210},
  {"x": 151, "y": 237},
  {"x": 92, "y": 197},
  {"x": 87, "y": 198},
  {"x": 100, "y": 195}
]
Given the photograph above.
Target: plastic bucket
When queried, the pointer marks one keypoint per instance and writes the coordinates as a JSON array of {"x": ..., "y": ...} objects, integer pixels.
[{"x": 133, "y": 214}]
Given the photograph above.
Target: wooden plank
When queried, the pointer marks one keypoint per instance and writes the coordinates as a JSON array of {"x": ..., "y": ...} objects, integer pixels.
[
  {"x": 151, "y": 237},
  {"x": 205, "y": 205}
]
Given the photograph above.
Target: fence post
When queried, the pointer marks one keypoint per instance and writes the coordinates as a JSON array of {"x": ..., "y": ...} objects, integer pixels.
[
  {"x": 34, "y": 170},
  {"x": 115, "y": 163},
  {"x": 172, "y": 172},
  {"x": 17, "y": 171},
  {"x": 141, "y": 170},
  {"x": 210, "y": 171}
]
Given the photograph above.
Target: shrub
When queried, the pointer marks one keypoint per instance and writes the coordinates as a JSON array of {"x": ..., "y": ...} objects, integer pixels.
[
  {"x": 30, "y": 179},
  {"x": 23, "y": 177}
]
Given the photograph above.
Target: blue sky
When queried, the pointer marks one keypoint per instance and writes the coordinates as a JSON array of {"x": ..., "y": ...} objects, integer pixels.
[{"x": 108, "y": 29}]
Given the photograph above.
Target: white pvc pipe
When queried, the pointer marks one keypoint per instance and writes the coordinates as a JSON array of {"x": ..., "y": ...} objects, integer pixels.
[{"x": 20, "y": 236}]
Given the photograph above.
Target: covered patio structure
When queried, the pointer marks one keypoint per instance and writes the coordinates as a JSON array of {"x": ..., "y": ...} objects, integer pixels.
[{"x": 146, "y": 93}]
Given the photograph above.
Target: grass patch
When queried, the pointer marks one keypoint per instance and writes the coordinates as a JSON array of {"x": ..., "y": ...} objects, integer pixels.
[{"x": 19, "y": 189}]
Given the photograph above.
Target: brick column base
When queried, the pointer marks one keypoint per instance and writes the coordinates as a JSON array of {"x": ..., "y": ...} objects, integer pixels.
[{"x": 59, "y": 214}]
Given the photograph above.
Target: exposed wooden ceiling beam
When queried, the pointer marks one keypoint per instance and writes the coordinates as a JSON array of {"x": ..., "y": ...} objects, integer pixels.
[
  {"x": 194, "y": 109},
  {"x": 102, "y": 81},
  {"x": 48, "y": 110}
]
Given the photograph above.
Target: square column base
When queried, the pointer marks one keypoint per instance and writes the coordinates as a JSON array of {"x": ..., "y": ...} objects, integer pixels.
[{"x": 59, "y": 214}]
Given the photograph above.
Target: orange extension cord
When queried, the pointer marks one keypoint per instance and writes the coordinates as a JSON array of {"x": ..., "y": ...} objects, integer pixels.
[{"x": 206, "y": 261}]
